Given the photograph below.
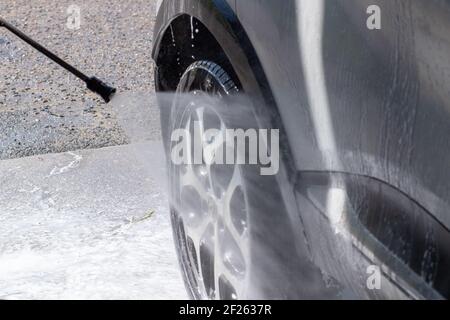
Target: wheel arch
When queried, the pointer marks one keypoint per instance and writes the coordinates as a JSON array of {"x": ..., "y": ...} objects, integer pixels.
[
  {"x": 239, "y": 58},
  {"x": 220, "y": 24}
]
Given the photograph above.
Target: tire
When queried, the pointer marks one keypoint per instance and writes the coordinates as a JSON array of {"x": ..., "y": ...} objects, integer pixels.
[{"x": 233, "y": 237}]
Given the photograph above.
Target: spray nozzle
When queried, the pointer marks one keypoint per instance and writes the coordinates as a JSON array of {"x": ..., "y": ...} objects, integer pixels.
[{"x": 101, "y": 88}]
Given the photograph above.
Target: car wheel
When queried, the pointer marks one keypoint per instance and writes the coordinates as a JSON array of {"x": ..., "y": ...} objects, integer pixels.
[{"x": 230, "y": 228}]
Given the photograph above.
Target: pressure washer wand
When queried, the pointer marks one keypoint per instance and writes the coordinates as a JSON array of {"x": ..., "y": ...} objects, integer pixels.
[{"x": 94, "y": 84}]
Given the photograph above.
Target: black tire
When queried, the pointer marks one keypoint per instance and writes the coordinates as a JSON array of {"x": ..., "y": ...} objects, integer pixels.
[{"x": 271, "y": 266}]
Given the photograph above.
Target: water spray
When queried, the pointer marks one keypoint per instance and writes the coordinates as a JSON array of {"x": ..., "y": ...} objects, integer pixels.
[{"x": 93, "y": 83}]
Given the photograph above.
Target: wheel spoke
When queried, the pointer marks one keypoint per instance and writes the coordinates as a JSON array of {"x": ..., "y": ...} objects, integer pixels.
[
  {"x": 234, "y": 219},
  {"x": 236, "y": 282},
  {"x": 189, "y": 180}
]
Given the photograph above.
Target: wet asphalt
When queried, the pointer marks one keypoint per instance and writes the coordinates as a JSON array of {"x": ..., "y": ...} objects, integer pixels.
[
  {"x": 44, "y": 109},
  {"x": 88, "y": 224}
]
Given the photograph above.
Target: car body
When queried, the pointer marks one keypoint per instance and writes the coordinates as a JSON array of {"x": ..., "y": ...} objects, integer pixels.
[{"x": 364, "y": 117}]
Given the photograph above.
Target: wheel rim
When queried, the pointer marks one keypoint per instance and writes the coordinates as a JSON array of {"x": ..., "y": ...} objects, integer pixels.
[{"x": 211, "y": 215}]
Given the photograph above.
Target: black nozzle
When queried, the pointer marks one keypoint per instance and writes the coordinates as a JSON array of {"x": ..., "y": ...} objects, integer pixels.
[{"x": 98, "y": 86}]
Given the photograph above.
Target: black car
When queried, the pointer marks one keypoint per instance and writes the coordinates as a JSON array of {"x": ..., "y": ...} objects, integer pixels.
[{"x": 360, "y": 93}]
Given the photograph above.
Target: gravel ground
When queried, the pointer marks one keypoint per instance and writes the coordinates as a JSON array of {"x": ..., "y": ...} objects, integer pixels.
[{"x": 43, "y": 109}]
